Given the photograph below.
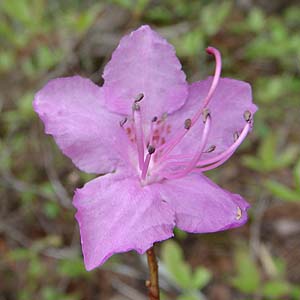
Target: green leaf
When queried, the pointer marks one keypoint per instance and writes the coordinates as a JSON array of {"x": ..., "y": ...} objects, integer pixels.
[
  {"x": 51, "y": 209},
  {"x": 188, "y": 295},
  {"x": 287, "y": 157},
  {"x": 268, "y": 159},
  {"x": 267, "y": 150},
  {"x": 216, "y": 12},
  {"x": 7, "y": 61},
  {"x": 189, "y": 44},
  {"x": 180, "y": 234},
  {"x": 201, "y": 278},
  {"x": 53, "y": 293},
  {"x": 247, "y": 279},
  {"x": 276, "y": 289},
  {"x": 17, "y": 9},
  {"x": 252, "y": 162},
  {"x": 256, "y": 20},
  {"x": 296, "y": 174},
  {"x": 20, "y": 254},
  {"x": 72, "y": 268},
  {"x": 179, "y": 270},
  {"x": 295, "y": 292},
  {"x": 280, "y": 265},
  {"x": 36, "y": 268},
  {"x": 281, "y": 191}
]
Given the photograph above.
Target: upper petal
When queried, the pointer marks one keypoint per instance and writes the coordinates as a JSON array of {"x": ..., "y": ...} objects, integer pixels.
[
  {"x": 72, "y": 111},
  {"x": 227, "y": 106},
  {"x": 115, "y": 214},
  {"x": 145, "y": 63},
  {"x": 202, "y": 206}
]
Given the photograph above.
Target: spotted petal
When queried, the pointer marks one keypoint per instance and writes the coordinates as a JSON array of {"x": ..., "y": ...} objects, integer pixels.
[
  {"x": 116, "y": 214},
  {"x": 145, "y": 63},
  {"x": 72, "y": 111},
  {"x": 201, "y": 206}
]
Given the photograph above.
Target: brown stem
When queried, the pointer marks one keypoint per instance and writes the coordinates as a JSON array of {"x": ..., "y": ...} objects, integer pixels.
[{"x": 152, "y": 284}]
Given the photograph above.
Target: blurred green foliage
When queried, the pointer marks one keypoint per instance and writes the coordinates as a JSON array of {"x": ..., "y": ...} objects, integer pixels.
[
  {"x": 188, "y": 281},
  {"x": 249, "y": 281},
  {"x": 40, "y": 38}
]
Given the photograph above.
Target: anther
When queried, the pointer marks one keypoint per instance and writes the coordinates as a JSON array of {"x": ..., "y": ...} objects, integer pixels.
[
  {"x": 122, "y": 122},
  {"x": 151, "y": 149},
  {"x": 205, "y": 114},
  {"x": 236, "y": 136},
  {"x": 239, "y": 213},
  {"x": 139, "y": 97},
  {"x": 247, "y": 116},
  {"x": 187, "y": 124},
  {"x": 154, "y": 119},
  {"x": 211, "y": 149}
]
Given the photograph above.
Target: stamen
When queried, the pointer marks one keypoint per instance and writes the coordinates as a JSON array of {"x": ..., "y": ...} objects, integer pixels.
[
  {"x": 247, "y": 116},
  {"x": 210, "y": 149},
  {"x": 211, "y": 163},
  {"x": 151, "y": 150},
  {"x": 122, "y": 122},
  {"x": 228, "y": 152},
  {"x": 215, "y": 165},
  {"x": 139, "y": 97},
  {"x": 236, "y": 136},
  {"x": 187, "y": 124},
  {"x": 205, "y": 114},
  {"x": 152, "y": 130},
  {"x": 139, "y": 135},
  {"x": 192, "y": 164}
]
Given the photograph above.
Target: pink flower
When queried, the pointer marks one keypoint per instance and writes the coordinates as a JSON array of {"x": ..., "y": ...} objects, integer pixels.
[{"x": 153, "y": 135}]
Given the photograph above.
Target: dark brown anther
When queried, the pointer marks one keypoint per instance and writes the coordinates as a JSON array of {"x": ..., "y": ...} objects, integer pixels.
[
  {"x": 187, "y": 124},
  {"x": 236, "y": 136},
  {"x": 205, "y": 114},
  {"x": 135, "y": 106},
  {"x": 122, "y": 122},
  {"x": 247, "y": 116},
  {"x": 139, "y": 97},
  {"x": 151, "y": 149},
  {"x": 211, "y": 149},
  {"x": 154, "y": 119}
]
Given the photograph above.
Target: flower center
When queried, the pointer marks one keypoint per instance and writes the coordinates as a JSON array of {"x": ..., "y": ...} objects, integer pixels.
[{"x": 154, "y": 149}]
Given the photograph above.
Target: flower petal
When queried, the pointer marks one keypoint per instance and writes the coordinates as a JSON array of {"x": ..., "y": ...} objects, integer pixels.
[
  {"x": 116, "y": 214},
  {"x": 145, "y": 63},
  {"x": 228, "y": 104},
  {"x": 72, "y": 111},
  {"x": 202, "y": 206}
]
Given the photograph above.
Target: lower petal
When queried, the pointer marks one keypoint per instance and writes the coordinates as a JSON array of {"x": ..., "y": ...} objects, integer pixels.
[
  {"x": 202, "y": 206},
  {"x": 116, "y": 214}
]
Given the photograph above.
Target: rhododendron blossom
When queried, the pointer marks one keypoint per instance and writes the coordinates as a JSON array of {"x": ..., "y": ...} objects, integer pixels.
[{"x": 153, "y": 135}]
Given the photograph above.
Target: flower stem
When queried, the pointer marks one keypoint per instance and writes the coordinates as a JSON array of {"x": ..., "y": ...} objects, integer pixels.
[{"x": 152, "y": 284}]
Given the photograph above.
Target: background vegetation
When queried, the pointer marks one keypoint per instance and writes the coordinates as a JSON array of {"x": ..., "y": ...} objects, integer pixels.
[{"x": 40, "y": 256}]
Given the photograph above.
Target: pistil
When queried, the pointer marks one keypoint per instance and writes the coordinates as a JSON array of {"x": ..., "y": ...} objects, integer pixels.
[{"x": 176, "y": 140}]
